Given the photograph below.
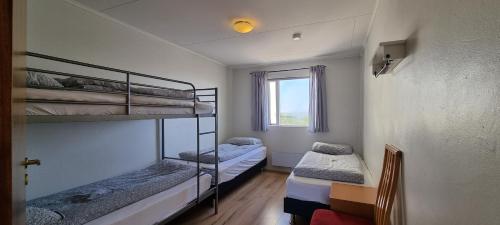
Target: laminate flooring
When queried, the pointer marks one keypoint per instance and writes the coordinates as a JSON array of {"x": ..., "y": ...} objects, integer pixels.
[{"x": 259, "y": 201}]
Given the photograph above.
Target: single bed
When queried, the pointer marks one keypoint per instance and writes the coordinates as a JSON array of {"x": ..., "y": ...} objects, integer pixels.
[
  {"x": 144, "y": 196},
  {"x": 230, "y": 169},
  {"x": 304, "y": 194}
]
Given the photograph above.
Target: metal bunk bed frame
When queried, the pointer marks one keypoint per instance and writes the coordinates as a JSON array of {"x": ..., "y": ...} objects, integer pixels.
[{"x": 213, "y": 191}]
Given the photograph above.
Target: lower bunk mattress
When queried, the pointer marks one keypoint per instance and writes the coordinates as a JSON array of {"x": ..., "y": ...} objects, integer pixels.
[
  {"x": 141, "y": 197},
  {"x": 158, "y": 207},
  {"x": 318, "y": 190},
  {"x": 230, "y": 169}
]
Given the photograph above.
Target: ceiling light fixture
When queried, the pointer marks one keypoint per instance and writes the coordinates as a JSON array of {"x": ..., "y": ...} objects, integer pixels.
[
  {"x": 296, "y": 36},
  {"x": 242, "y": 26}
]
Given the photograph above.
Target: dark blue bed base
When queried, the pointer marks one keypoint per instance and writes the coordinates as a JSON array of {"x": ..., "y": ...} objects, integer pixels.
[{"x": 301, "y": 208}]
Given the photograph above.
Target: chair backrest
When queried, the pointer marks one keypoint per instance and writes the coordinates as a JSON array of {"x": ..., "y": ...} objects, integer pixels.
[{"x": 387, "y": 185}]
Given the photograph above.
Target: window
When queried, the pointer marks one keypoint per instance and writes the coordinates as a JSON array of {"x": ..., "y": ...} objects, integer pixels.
[{"x": 289, "y": 102}]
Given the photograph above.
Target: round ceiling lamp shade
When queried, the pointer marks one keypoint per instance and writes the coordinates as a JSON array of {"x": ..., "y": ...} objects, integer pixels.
[{"x": 242, "y": 26}]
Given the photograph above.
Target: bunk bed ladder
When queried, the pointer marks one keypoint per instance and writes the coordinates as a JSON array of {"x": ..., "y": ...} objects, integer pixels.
[
  {"x": 216, "y": 144},
  {"x": 215, "y": 132}
]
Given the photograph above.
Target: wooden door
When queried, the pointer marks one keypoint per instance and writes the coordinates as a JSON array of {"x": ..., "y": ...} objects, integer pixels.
[{"x": 12, "y": 76}]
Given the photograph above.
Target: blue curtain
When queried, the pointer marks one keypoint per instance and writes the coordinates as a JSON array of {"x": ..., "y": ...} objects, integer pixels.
[
  {"x": 259, "y": 101},
  {"x": 318, "y": 115}
]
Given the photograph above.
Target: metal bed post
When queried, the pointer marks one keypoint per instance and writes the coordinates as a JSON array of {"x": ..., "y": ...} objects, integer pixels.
[
  {"x": 128, "y": 93},
  {"x": 198, "y": 157},
  {"x": 197, "y": 147},
  {"x": 216, "y": 205},
  {"x": 162, "y": 138}
]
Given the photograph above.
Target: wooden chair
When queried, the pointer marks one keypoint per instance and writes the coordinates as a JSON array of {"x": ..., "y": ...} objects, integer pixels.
[{"x": 385, "y": 196}]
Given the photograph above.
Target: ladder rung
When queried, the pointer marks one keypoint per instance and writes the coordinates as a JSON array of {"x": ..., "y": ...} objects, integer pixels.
[
  {"x": 209, "y": 132},
  {"x": 204, "y": 153},
  {"x": 208, "y": 115}
]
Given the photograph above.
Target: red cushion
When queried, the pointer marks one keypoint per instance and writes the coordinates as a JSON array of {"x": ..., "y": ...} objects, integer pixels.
[{"x": 328, "y": 217}]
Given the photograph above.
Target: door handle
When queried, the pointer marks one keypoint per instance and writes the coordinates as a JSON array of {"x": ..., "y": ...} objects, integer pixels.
[{"x": 29, "y": 162}]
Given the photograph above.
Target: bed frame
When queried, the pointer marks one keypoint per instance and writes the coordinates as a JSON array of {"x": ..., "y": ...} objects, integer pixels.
[
  {"x": 206, "y": 95},
  {"x": 302, "y": 208},
  {"x": 228, "y": 186}
]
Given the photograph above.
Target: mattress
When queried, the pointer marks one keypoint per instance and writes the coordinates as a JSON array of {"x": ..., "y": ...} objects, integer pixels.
[
  {"x": 171, "y": 106},
  {"x": 85, "y": 203},
  {"x": 318, "y": 190},
  {"x": 230, "y": 169},
  {"x": 346, "y": 168},
  {"x": 157, "y": 207},
  {"x": 225, "y": 152}
]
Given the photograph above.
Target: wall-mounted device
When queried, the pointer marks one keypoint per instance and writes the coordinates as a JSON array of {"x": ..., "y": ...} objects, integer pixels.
[{"x": 388, "y": 56}]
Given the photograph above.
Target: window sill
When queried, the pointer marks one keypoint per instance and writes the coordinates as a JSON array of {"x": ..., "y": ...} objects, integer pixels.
[{"x": 287, "y": 126}]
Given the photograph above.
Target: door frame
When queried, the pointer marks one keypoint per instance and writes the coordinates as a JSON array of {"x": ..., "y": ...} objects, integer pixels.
[
  {"x": 12, "y": 79},
  {"x": 6, "y": 110}
]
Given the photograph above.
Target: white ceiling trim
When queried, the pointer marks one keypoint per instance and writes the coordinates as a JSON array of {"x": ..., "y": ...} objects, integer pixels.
[
  {"x": 337, "y": 55},
  {"x": 354, "y": 30},
  {"x": 79, "y": 5},
  {"x": 118, "y": 5},
  {"x": 370, "y": 25}
]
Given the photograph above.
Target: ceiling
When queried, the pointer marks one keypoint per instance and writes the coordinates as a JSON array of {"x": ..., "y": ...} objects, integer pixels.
[{"x": 204, "y": 26}]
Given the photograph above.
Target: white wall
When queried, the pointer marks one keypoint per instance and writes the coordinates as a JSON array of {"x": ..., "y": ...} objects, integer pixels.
[
  {"x": 73, "y": 154},
  {"x": 441, "y": 107},
  {"x": 344, "y": 109}
]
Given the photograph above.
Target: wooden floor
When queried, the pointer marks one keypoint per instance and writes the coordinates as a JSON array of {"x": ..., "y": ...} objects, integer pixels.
[{"x": 259, "y": 201}]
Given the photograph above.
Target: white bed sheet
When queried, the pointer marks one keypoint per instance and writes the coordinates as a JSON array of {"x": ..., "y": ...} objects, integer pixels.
[
  {"x": 157, "y": 207},
  {"x": 229, "y": 169},
  {"x": 318, "y": 190}
]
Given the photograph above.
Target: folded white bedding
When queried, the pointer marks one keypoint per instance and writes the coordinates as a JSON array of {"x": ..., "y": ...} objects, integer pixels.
[
  {"x": 172, "y": 106},
  {"x": 346, "y": 168},
  {"x": 65, "y": 95}
]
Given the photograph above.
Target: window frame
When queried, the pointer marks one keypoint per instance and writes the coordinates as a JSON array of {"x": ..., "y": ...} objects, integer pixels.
[{"x": 277, "y": 81}]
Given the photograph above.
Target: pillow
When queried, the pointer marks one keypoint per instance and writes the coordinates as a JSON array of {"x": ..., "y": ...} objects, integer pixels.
[
  {"x": 36, "y": 79},
  {"x": 41, "y": 216},
  {"x": 167, "y": 92},
  {"x": 244, "y": 141},
  {"x": 332, "y": 149},
  {"x": 75, "y": 82},
  {"x": 96, "y": 88}
]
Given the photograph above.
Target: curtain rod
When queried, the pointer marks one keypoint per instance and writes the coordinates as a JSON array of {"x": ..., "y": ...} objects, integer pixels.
[{"x": 277, "y": 71}]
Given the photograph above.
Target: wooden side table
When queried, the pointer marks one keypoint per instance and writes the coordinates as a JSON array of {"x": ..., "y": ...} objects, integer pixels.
[{"x": 353, "y": 199}]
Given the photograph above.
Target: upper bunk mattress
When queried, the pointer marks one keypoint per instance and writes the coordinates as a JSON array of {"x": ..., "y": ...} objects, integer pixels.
[
  {"x": 86, "y": 203},
  {"x": 346, "y": 168},
  {"x": 171, "y": 106}
]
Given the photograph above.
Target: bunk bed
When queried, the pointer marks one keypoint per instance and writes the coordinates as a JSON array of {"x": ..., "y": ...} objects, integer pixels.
[{"x": 154, "y": 195}]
